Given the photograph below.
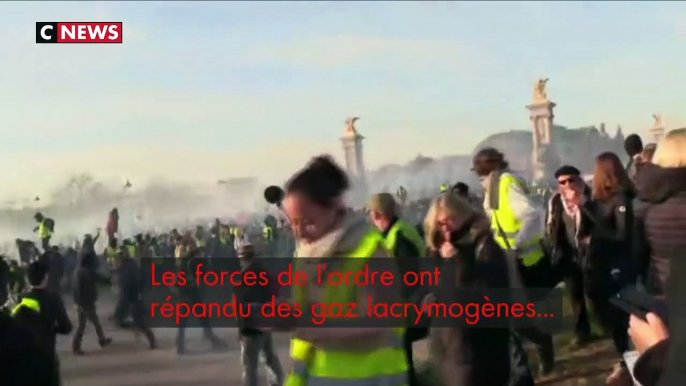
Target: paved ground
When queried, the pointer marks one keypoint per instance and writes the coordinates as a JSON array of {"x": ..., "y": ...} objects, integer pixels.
[{"x": 130, "y": 363}]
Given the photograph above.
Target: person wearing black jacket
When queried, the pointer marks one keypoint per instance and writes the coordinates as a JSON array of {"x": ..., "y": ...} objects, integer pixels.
[
  {"x": 254, "y": 341},
  {"x": 461, "y": 242},
  {"x": 86, "y": 295},
  {"x": 609, "y": 265},
  {"x": 42, "y": 311},
  {"x": 407, "y": 247},
  {"x": 130, "y": 288},
  {"x": 23, "y": 361},
  {"x": 566, "y": 226},
  {"x": 55, "y": 263},
  {"x": 191, "y": 294},
  {"x": 662, "y": 228}
]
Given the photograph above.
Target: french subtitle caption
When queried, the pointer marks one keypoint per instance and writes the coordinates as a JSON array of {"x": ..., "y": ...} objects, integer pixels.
[{"x": 263, "y": 297}]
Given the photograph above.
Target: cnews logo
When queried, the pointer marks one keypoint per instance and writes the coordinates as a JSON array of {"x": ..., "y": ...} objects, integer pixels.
[{"x": 78, "y": 32}]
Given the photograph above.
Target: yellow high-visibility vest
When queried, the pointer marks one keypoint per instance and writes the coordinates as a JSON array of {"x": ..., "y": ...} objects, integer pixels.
[
  {"x": 29, "y": 303},
  {"x": 531, "y": 251},
  {"x": 111, "y": 255},
  {"x": 133, "y": 251},
  {"x": 43, "y": 230},
  {"x": 409, "y": 232},
  {"x": 268, "y": 233},
  {"x": 316, "y": 366}
]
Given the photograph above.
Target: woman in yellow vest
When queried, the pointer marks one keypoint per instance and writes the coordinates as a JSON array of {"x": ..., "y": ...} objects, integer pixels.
[{"x": 324, "y": 230}]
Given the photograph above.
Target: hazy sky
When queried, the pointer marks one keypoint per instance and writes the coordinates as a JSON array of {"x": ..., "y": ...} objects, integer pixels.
[{"x": 200, "y": 91}]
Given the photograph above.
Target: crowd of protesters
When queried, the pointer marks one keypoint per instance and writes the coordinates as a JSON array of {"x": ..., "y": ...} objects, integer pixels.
[{"x": 624, "y": 229}]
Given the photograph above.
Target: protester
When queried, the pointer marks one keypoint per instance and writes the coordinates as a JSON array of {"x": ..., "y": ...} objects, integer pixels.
[
  {"x": 407, "y": 247},
  {"x": 662, "y": 347},
  {"x": 255, "y": 342},
  {"x": 130, "y": 302},
  {"x": 55, "y": 263},
  {"x": 518, "y": 228},
  {"x": 45, "y": 229},
  {"x": 326, "y": 229},
  {"x": 663, "y": 227},
  {"x": 187, "y": 260},
  {"x": 566, "y": 230},
  {"x": 86, "y": 295},
  {"x": 23, "y": 361},
  {"x": 609, "y": 265},
  {"x": 42, "y": 311},
  {"x": 112, "y": 226},
  {"x": 461, "y": 238}
]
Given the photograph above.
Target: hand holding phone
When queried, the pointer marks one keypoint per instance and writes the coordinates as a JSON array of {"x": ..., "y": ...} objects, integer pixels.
[{"x": 639, "y": 304}]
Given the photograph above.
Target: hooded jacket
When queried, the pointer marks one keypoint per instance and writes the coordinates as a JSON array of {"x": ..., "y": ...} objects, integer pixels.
[
  {"x": 662, "y": 226},
  {"x": 85, "y": 280},
  {"x": 341, "y": 242}
]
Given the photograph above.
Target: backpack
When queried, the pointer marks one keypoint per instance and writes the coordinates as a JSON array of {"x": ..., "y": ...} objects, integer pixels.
[{"x": 50, "y": 224}]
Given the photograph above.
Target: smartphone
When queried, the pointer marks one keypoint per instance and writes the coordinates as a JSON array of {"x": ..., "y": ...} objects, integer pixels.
[
  {"x": 639, "y": 304},
  {"x": 621, "y": 303}
]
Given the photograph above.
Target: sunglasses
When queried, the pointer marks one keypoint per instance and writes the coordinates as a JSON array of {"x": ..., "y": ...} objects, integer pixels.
[{"x": 567, "y": 181}]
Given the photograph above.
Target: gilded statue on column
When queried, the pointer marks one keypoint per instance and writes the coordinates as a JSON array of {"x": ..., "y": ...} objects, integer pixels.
[
  {"x": 350, "y": 123},
  {"x": 539, "y": 91}
]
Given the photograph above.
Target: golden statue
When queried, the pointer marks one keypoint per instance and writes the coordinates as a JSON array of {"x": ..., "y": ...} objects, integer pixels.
[
  {"x": 350, "y": 122},
  {"x": 658, "y": 121},
  {"x": 539, "y": 90}
]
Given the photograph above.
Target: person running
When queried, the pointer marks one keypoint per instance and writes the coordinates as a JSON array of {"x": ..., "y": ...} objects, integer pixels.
[
  {"x": 255, "y": 342},
  {"x": 86, "y": 295}
]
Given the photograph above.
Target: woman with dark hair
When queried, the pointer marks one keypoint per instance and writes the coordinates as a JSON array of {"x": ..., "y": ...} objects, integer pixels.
[
  {"x": 609, "y": 265},
  {"x": 326, "y": 230}
]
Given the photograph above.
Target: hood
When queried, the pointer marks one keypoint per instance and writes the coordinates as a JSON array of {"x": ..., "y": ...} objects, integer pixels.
[
  {"x": 341, "y": 241},
  {"x": 655, "y": 184}
]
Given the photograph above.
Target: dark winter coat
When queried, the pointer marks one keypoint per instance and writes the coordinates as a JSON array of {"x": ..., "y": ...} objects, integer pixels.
[
  {"x": 611, "y": 236},
  {"x": 665, "y": 363},
  {"x": 53, "y": 318},
  {"x": 663, "y": 223},
  {"x": 129, "y": 280},
  {"x": 85, "y": 280},
  {"x": 472, "y": 356},
  {"x": 22, "y": 360},
  {"x": 55, "y": 263},
  {"x": 257, "y": 294},
  {"x": 556, "y": 240}
]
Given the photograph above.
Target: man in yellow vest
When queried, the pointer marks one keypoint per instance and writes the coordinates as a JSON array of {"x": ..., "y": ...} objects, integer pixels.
[
  {"x": 518, "y": 227},
  {"x": 40, "y": 308},
  {"x": 45, "y": 228},
  {"x": 405, "y": 244}
]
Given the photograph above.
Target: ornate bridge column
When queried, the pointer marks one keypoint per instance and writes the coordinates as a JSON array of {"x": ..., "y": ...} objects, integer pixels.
[
  {"x": 545, "y": 156},
  {"x": 354, "y": 162}
]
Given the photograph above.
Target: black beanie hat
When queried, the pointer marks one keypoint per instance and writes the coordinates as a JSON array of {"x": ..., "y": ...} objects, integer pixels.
[{"x": 567, "y": 170}]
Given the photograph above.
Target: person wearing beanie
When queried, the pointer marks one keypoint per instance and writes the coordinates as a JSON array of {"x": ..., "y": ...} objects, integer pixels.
[{"x": 566, "y": 229}]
